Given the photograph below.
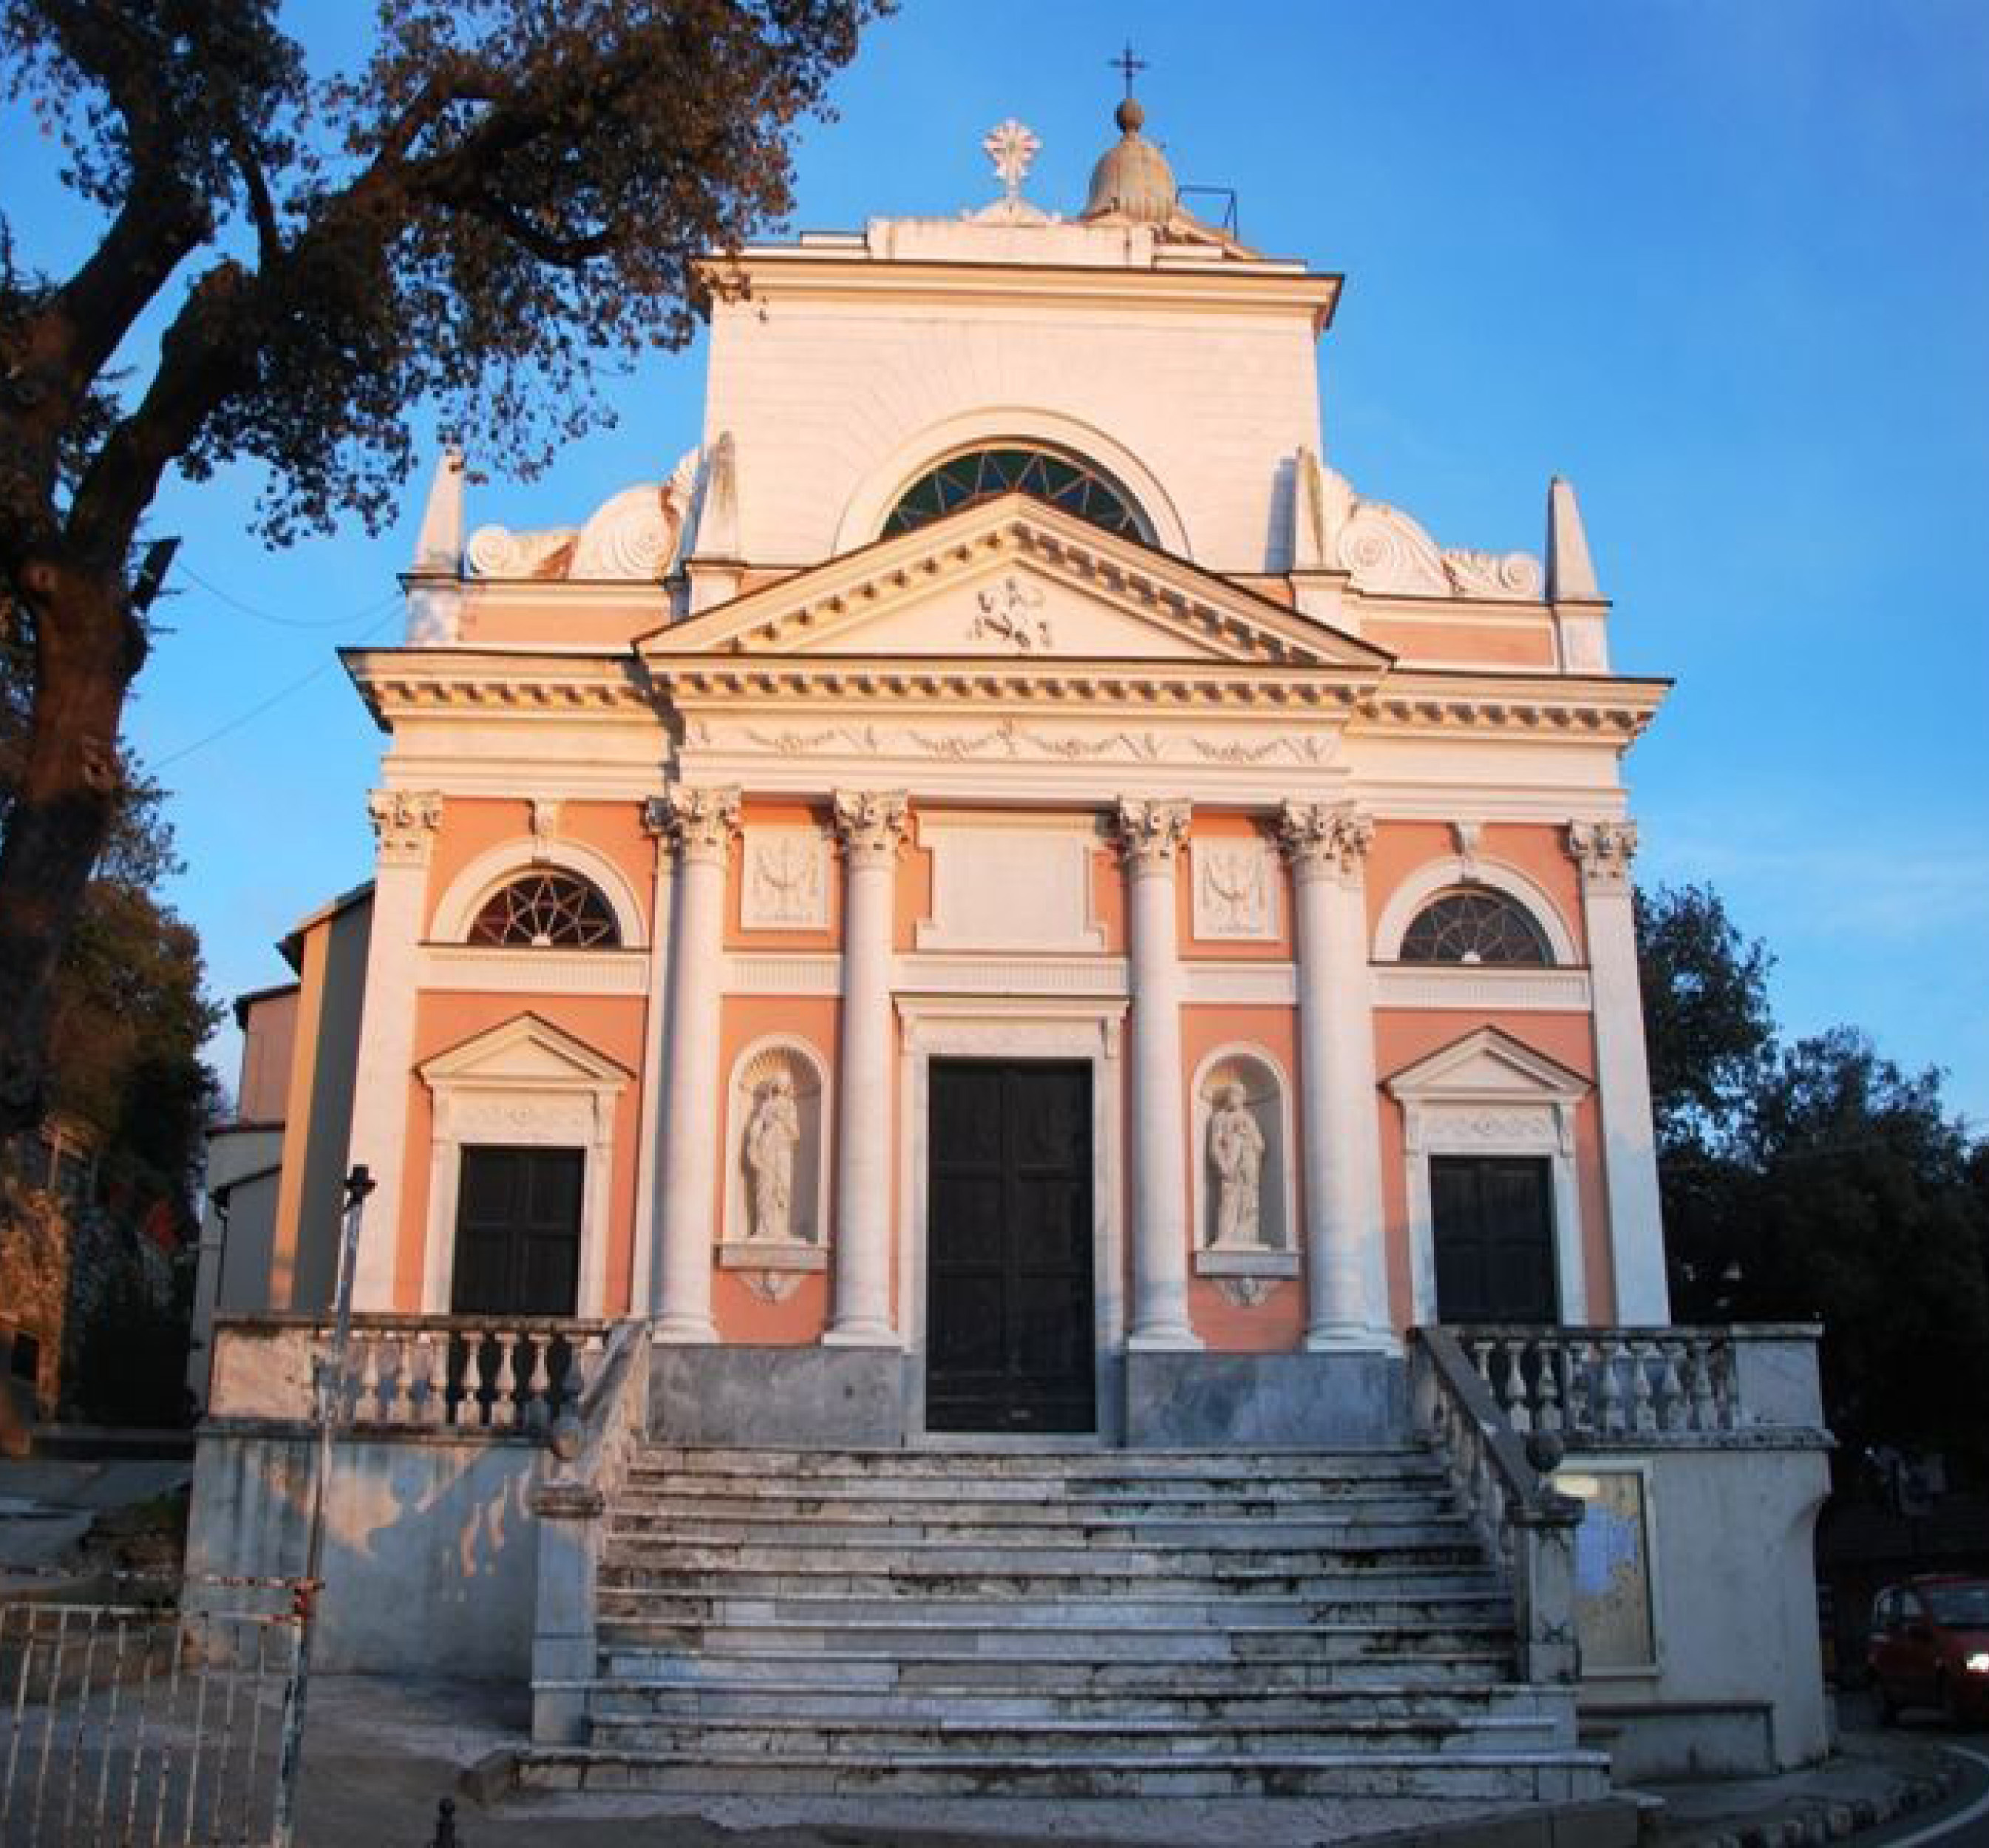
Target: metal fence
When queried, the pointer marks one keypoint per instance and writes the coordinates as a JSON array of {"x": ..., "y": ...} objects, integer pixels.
[{"x": 146, "y": 1721}]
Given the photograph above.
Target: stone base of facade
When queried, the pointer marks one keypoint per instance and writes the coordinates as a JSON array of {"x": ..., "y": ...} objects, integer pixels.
[
  {"x": 784, "y": 1398},
  {"x": 1333, "y": 1400}
]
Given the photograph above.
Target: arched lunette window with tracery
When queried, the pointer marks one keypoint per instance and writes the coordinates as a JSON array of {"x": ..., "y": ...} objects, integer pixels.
[
  {"x": 1476, "y": 927},
  {"x": 545, "y": 910},
  {"x": 980, "y": 474}
]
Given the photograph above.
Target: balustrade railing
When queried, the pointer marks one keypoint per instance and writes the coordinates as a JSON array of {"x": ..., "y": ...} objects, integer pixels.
[
  {"x": 1527, "y": 1526},
  {"x": 1639, "y": 1387},
  {"x": 497, "y": 1375}
]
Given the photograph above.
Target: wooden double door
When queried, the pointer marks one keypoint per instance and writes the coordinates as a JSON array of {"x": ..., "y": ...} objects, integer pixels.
[
  {"x": 1011, "y": 1335},
  {"x": 517, "y": 1231},
  {"x": 1493, "y": 1230}
]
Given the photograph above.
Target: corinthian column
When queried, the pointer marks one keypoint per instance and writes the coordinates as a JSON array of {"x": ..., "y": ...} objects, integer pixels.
[
  {"x": 870, "y": 828},
  {"x": 1603, "y": 850},
  {"x": 1151, "y": 834},
  {"x": 700, "y": 823},
  {"x": 1345, "y": 1264},
  {"x": 404, "y": 822}
]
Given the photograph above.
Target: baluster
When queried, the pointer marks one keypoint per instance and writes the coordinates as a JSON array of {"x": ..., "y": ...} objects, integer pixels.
[
  {"x": 366, "y": 1408},
  {"x": 1519, "y": 1414},
  {"x": 480, "y": 1378},
  {"x": 1580, "y": 1357},
  {"x": 1704, "y": 1414},
  {"x": 429, "y": 1392},
  {"x": 1643, "y": 1418},
  {"x": 1612, "y": 1387},
  {"x": 1481, "y": 1357},
  {"x": 1673, "y": 1411},
  {"x": 538, "y": 1406},
  {"x": 1552, "y": 1357},
  {"x": 1726, "y": 1390},
  {"x": 398, "y": 1408},
  {"x": 504, "y": 1407}
]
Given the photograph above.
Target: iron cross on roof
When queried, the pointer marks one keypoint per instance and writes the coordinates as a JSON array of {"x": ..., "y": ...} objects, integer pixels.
[{"x": 1127, "y": 65}]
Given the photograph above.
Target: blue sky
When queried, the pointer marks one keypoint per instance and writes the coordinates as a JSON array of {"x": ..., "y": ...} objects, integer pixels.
[{"x": 1724, "y": 265}]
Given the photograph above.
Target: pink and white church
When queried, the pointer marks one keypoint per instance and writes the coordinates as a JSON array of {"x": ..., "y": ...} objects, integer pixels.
[{"x": 1000, "y": 898}]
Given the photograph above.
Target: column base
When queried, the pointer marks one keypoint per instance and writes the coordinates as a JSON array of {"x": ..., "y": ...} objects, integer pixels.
[
  {"x": 861, "y": 1335},
  {"x": 1164, "y": 1337},
  {"x": 684, "y": 1330},
  {"x": 1350, "y": 1337}
]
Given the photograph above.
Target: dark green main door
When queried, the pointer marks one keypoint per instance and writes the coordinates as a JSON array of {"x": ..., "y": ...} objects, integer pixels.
[{"x": 1010, "y": 1340}]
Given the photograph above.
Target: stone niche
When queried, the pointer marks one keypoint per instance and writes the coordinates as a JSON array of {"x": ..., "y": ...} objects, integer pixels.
[
  {"x": 1244, "y": 1213},
  {"x": 775, "y": 1136}
]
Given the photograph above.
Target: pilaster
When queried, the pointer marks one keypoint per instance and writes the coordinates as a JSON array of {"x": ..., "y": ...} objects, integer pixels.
[
  {"x": 655, "y": 1063},
  {"x": 405, "y": 823},
  {"x": 1604, "y": 850}
]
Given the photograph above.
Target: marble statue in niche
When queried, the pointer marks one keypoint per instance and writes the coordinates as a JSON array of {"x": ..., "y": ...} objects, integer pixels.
[
  {"x": 1236, "y": 1153},
  {"x": 773, "y": 1133}
]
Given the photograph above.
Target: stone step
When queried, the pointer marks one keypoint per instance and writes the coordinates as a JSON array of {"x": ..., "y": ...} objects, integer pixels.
[
  {"x": 827, "y": 1579},
  {"x": 1175, "y": 1608},
  {"x": 926, "y": 1502},
  {"x": 1114, "y": 1642},
  {"x": 1185, "y": 1701},
  {"x": 1333, "y": 1533},
  {"x": 1178, "y": 1738},
  {"x": 665, "y": 1552},
  {"x": 1520, "y": 1776},
  {"x": 1048, "y": 1669},
  {"x": 1109, "y": 1467}
]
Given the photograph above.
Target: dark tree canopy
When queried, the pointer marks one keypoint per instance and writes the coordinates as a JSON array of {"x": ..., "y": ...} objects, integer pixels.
[{"x": 509, "y": 197}]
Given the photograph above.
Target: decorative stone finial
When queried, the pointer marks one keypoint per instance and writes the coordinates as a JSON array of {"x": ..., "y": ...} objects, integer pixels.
[{"x": 1011, "y": 146}]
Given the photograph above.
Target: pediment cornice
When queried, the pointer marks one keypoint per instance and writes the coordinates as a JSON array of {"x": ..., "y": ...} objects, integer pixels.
[{"x": 1175, "y": 606}]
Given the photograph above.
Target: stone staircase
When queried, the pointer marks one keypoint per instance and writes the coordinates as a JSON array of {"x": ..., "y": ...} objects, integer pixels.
[{"x": 1068, "y": 1623}]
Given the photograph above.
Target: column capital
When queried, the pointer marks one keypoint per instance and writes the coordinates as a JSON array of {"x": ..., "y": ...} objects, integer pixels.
[
  {"x": 1325, "y": 838},
  {"x": 871, "y": 825},
  {"x": 1604, "y": 851},
  {"x": 405, "y": 823},
  {"x": 1150, "y": 833},
  {"x": 699, "y": 822}
]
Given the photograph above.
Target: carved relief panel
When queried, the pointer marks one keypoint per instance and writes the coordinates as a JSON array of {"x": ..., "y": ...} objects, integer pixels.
[
  {"x": 786, "y": 884},
  {"x": 1235, "y": 890}
]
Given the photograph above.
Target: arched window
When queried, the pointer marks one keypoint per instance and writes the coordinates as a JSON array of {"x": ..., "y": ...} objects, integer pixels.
[
  {"x": 543, "y": 910},
  {"x": 1475, "y": 926},
  {"x": 979, "y": 475}
]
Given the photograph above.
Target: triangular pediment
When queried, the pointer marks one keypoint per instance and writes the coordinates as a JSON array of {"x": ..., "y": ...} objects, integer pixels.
[
  {"x": 1015, "y": 579},
  {"x": 525, "y": 1054},
  {"x": 1487, "y": 1066}
]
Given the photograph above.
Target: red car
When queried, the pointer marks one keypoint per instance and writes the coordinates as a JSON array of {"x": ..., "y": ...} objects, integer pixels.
[{"x": 1930, "y": 1647}]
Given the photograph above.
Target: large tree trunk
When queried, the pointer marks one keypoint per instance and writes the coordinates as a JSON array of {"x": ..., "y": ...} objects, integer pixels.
[{"x": 87, "y": 648}]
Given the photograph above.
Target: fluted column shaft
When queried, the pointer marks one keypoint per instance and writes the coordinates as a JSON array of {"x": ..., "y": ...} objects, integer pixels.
[
  {"x": 701, "y": 823},
  {"x": 870, "y": 829},
  {"x": 1151, "y": 834},
  {"x": 1346, "y": 1268}
]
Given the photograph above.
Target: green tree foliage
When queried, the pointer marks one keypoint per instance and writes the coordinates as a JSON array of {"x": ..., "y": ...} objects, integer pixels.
[
  {"x": 1816, "y": 1181},
  {"x": 505, "y": 200}
]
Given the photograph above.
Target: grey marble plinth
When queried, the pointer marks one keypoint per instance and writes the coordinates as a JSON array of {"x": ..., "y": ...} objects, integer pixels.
[
  {"x": 778, "y": 1396},
  {"x": 1199, "y": 1399}
]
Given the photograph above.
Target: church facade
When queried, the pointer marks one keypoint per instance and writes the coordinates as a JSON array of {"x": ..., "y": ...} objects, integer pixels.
[{"x": 1002, "y": 864}]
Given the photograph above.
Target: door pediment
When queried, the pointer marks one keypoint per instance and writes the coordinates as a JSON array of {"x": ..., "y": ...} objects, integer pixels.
[{"x": 1015, "y": 580}]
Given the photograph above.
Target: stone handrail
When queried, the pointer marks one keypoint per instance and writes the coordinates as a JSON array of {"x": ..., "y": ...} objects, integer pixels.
[
  {"x": 1526, "y": 1525},
  {"x": 586, "y": 1462},
  {"x": 494, "y": 1376},
  {"x": 1643, "y": 1387}
]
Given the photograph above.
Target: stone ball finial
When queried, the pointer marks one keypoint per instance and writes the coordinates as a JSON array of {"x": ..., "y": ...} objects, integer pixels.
[{"x": 1130, "y": 117}]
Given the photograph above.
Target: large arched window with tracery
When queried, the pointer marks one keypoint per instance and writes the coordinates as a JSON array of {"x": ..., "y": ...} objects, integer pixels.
[
  {"x": 976, "y": 475},
  {"x": 1476, "y": 926},
  {"x": 545, "y": 910}
]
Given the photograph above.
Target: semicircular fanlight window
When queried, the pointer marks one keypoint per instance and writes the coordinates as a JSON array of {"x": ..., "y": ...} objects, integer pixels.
[
  {"x": 546, "y": 910},
  {"x": 979, "y": 475},
  {"x": 1475, "y": 927}
]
